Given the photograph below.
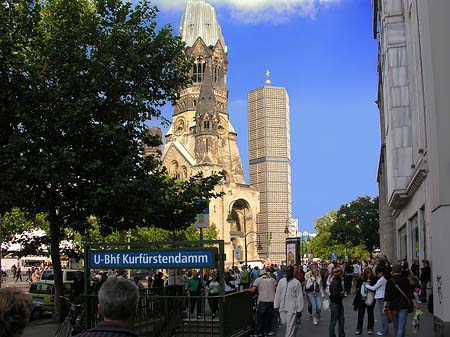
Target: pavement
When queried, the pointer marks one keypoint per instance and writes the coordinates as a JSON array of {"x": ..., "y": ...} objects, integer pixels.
[
  {"x": 321, "y": 330},
  {"x": 46, "y": 328}
]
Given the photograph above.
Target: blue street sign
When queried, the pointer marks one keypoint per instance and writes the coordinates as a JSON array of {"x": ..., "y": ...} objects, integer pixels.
[
  {"x": 333, "y": 256},
  {"x": 192, "y": 258}
]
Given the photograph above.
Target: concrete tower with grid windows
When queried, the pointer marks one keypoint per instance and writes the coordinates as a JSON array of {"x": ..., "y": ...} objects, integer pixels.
[{"x": 270, "y": 165}]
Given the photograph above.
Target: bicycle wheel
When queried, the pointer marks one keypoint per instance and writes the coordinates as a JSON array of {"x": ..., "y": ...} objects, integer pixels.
[{"x": 64, "y": 329}]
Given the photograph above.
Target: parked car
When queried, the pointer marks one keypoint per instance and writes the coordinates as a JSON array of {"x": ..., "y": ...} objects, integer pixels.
[
  {"x": 44, "y": 293},
  {"x": 141, "y": 274},
  {"x": 37, "y": 311},
  {"x": 68, "y": 275}
]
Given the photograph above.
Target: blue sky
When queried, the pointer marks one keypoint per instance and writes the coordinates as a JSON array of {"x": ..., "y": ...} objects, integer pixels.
[{"x": 323, "y": 52}]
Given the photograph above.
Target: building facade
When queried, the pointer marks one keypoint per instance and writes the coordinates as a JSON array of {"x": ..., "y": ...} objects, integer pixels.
[
  {"x": 414, "y": 167},
  {"x": 270, "y": 165},
  {"x": 201, "y": 137}
]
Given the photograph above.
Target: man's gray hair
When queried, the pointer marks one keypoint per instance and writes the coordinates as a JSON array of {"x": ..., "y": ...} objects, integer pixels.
[{"x": 118, "y": 299}]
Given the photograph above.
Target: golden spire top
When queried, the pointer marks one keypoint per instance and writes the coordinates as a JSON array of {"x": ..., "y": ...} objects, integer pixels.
[{"x": 267, "y": 75}]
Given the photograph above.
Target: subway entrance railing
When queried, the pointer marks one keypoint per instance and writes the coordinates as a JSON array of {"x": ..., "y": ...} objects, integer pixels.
[{"x": 165, "y": 312}]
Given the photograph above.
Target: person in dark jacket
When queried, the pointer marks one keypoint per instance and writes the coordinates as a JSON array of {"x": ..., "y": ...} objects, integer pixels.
[
  {"x": 117, "y": 303},
  {"x": 158, "y": 282},
  {"x": 336, "y": 307},
  {"x": 359, "y": 303},
  {"x": 397, "y": 297},
  {"x": 425, "y": 277}
]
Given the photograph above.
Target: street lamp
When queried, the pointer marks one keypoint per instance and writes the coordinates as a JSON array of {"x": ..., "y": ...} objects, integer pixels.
[
  {"x": 258, "y": 247},
  {"x": 258, "y": 240}
]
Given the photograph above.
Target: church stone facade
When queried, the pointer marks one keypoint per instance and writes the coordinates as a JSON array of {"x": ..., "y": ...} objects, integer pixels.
[{"x": 202, "y": 138}]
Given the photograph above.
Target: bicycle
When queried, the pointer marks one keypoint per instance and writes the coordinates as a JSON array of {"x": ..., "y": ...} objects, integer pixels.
[{"x": 72, "y": 323}]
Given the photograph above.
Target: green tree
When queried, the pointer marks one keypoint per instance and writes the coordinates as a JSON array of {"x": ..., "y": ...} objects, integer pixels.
[
  {"x": 78, "y": 82},
  {"x": 326, "y": 242},
  {"x": 322, "y": 245},
  {"x": 19, "y": 227},
  {"x": 357, "y": 223}
]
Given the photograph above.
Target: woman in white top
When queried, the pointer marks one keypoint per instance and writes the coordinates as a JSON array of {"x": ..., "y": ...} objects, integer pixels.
[
  {"x": 213, "y": 290},
  {"x": 314, "y": 290},
  {"x": 379, "y": 289}
]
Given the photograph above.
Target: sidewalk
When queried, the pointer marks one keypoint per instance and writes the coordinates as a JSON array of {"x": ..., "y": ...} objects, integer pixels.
[
  {"x": 47, "y": 328},
  {"x": 41, "y": 328},
  {"x": 308, "y": 329}
]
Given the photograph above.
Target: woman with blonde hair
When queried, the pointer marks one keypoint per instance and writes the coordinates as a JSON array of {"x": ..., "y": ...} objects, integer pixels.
[
  {"x": 15, "y": 308},
  {"x": 315, "y": 293}
]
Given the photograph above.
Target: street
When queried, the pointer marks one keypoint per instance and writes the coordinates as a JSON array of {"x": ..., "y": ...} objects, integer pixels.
[{"x": 45, "y": 328}]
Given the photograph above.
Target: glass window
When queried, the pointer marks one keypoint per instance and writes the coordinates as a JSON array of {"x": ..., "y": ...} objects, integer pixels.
[
  {"x": 198, "y": 69},
  {"x": 402, "y": 242}
]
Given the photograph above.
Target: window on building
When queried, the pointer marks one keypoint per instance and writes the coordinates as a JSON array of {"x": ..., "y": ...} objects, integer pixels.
[
  {"x": 198, "y": 69},
  {"x": 206, "y": 124},
  {"x": 415, "y": 249},
  {"x": 402, "y": 242},
  {"x": 184, "y": 172},
  {"x": 216, "y": 71},
  {"x": 423, "y": 233}
]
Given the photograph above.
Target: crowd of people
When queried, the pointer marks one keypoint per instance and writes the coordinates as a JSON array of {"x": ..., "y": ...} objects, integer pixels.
[
  {"x": 31, "y": 273},
  {"x": 392, "y": 289},
  {"x": 376, "y": 283}
]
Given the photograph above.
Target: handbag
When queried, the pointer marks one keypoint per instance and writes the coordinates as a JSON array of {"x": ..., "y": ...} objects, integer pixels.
[
  {"x": 388, "y": 313},
  {"x": 325, "y": 304},
  {"x": 370, "y": 298},
  {"x": 364, "y": 291},
  {"x": 410, "y": 304}
]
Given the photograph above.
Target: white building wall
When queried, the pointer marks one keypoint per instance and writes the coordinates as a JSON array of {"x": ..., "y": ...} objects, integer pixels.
[
  {"x": 414, "y": 64},
  {"x": 434, "y": 29}
]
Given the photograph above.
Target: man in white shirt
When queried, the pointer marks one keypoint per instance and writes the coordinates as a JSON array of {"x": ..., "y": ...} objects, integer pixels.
[{"x": 289, "y": 301}]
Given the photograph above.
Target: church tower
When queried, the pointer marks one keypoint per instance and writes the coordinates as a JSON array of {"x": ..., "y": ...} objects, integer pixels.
[{"x": 202, "y": 138}]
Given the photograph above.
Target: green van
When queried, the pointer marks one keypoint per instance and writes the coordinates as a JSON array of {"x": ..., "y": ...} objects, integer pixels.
[{"x": 44, "y": 292}]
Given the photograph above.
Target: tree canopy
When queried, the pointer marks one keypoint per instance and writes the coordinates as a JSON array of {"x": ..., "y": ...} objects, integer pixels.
[
  {"x": 351, "y": 232},
  {"x": 358, "y": 223},
  {"x": 79, "y": 81}
]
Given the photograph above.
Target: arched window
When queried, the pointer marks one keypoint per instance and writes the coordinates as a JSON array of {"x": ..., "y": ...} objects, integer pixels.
[
  {"x": 174, "y": 169},
  {"x": 184, "y": 172},
  {"x": 206, "y": 124},
  {"x": 198, "y": 69},
  {"x": 216, "y": 71}
]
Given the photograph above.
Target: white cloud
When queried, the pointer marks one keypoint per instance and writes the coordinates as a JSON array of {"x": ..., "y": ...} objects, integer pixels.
[{"x": 257, "y": 11}]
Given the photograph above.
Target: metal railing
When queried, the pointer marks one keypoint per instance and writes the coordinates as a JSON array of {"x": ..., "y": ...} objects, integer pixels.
[{"x": 166, "y": 312}]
